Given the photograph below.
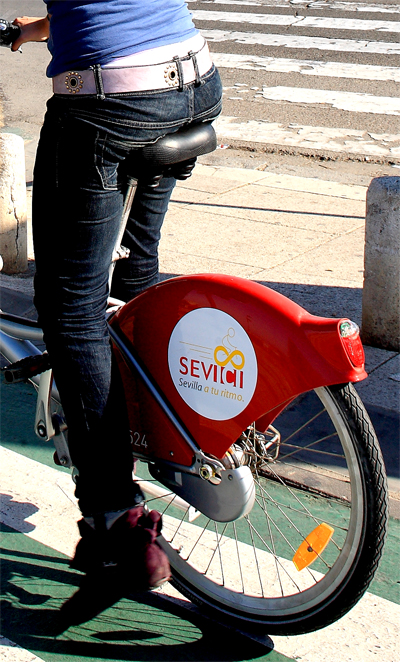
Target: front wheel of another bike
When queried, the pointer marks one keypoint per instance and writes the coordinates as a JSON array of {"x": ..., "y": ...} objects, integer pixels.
[{"x": 309, "y": 548}]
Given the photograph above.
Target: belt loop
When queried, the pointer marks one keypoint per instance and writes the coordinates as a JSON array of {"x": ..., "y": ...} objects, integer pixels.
[
  {"x": 178, "y": 63},
  {"x": 195, "y": 67},
  {"x": 98, "y": 80}
]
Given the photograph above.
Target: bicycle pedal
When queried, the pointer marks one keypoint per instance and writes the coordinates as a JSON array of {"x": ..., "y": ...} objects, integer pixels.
[{"x": 26, "y": 368}]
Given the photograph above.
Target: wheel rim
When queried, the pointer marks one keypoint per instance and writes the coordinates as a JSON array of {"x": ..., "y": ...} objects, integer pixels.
[{"x": 246, "y": 567}]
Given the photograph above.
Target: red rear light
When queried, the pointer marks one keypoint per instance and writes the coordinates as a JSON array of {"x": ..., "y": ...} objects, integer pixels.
[{"x": 350, "y": 337}]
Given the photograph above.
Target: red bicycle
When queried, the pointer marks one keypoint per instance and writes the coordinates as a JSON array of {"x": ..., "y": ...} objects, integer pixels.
[{"x": 248, "y": 434}]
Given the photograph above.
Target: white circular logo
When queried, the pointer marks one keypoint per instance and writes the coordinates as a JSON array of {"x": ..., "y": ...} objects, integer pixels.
[{"x": 212, "y": 363}]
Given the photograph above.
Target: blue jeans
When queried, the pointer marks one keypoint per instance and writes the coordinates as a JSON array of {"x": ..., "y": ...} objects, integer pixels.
[{"x": 77, "y": 204}]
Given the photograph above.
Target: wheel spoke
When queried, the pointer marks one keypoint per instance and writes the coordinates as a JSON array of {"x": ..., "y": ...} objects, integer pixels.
[
  {"x": 219, "y": 550},
  {"x": 255, "y": 553},
  {"x": 317, "y": 520},
  {"x": 270, "y": 535},
  {"x": 197, "y": 541},
  {"x": 277, "y": 559},
  {"x": 306, "y": 474},
  {"x": 302, "y": 427},
  {"x": 238, "y": 555},
  {"x": 179, "y": 526},
  {"x": 292, "y": 493},
  {"x": 311, "y": 447}
]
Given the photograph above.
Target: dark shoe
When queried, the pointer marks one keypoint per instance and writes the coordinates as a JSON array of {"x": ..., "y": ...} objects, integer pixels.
[
  {"x": 129, "y": 544},
  {"x": 156, "y": 564},
  {"x": 119, "y": 554}
]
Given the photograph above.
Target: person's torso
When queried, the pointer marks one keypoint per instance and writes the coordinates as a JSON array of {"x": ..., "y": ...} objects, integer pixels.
[{"x": 95, "y": 31}]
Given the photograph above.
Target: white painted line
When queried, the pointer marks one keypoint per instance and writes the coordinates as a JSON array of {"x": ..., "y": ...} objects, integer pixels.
[
  {"x": 300, "y": 42},
  {"x": 356, "y": 102},
  {"x": 312, "y": 22},
  {"x": 316, "y": 4},
  {"x": 312, "y": 137},
  {"x": 38, "y": 501},
  {"x": 10, "y": 652},
  {"x": 306, "y": 67},
  {"x": 368, "y": 631}
]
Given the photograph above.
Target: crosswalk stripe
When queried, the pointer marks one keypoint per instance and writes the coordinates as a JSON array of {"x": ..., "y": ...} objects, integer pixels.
[
  {"x": 351, "y": 101},
  {"x": 317, "y": 4},
  {"x": 301, "y": 42},
  {"x": 314, "y": 22},
  {"x": 29, "y": 482},
  {"x": 351, "y": 141},
  {"x": 335, "y": 139},
  {"x": 306, "y": 67}
]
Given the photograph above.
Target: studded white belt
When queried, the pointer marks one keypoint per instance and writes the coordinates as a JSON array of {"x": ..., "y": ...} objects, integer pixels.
[{"x": 98, "y": 81}]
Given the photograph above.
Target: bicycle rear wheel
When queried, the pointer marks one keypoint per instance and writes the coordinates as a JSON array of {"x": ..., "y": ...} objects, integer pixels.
[{"x": 326, "y": 486}]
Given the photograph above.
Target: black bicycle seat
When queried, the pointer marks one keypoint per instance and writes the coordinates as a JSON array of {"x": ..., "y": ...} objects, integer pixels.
[
  {"x": 174, "y": 154},
  {"x": 185, "y": 144}
]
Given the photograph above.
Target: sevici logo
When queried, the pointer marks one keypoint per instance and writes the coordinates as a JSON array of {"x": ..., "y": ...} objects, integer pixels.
[{"x": 212, "y": 363}]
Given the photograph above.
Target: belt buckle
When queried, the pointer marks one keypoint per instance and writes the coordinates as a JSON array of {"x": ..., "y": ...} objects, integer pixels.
[
  {"x": 74, "y": 82},
  {"x": 171, "y": 75}
]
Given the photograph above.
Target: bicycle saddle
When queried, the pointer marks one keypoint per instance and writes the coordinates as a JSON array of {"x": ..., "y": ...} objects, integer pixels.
[{"x": 174, "y": 154}]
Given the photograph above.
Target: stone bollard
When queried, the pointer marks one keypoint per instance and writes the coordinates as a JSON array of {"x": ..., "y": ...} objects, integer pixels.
[
  {"x": 13, "y": 230},
  {"x": 381, "y": 303}
]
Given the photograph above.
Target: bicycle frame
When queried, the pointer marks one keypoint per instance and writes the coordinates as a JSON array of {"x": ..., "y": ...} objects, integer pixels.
[
  {"x": 202, "y": 358},
  {"x": 280, "y": 349},
  {"x": 288, "y": 350}
]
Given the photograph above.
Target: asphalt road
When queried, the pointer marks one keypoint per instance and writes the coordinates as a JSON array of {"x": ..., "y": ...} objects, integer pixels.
[
  {"x": 319, "y": 76},
  {"x": 313, "y": 78}
]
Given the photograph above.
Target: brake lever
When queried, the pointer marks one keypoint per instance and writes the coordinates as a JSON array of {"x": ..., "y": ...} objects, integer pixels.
[{"x": 8, "y": 33}]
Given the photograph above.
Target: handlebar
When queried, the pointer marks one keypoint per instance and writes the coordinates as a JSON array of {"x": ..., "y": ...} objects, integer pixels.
[{"x": 8, "y": 33}]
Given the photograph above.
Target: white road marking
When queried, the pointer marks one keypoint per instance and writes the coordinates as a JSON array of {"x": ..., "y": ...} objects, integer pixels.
[
  {"x": 351, "y": 101},
  {"x": 313, "y": 22},
  {"x": 10, "y": 652},
  {"x": 301, "y": 42},
  {"x": 372, "y": 623},
  {"x": 38, "y": 501},
  {"x": 311, "y": 137},
  {"x": 367, "y": 633},
  {"x": 306, "y": 67},
  {"x": 317, "y": 4}
]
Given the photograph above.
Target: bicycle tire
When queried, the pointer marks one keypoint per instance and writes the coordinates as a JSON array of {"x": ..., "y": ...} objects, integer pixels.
[{"x": 347, "y": 489}]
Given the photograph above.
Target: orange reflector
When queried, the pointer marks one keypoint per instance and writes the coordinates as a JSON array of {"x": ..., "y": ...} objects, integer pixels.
[{"x": 314, "y": 545}]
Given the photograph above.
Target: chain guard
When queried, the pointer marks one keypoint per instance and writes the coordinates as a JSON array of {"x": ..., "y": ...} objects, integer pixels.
[{"x": 231, "y": 499}]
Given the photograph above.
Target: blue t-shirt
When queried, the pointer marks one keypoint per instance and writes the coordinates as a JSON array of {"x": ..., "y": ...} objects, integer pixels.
[{"x": 96, "y": 31}]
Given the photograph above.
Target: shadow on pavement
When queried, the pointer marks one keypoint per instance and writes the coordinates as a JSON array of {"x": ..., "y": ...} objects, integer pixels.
[{"x": 36, "y": 581}]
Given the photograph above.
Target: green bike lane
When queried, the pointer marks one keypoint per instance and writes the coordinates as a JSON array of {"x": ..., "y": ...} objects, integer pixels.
[{"x": 36, "y": 580}]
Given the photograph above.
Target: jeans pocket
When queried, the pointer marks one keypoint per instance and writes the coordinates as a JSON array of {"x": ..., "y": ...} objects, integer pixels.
[
  {"x": 208, "y": 97},
  {"x": 106, "y": 163}
]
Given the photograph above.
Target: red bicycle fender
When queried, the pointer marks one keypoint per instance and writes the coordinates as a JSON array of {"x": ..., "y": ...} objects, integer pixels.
[{"x": 225, "y": 352}]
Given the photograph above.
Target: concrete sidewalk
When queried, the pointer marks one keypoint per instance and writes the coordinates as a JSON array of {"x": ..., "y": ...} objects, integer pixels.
[{"x": 303, "y": 237}]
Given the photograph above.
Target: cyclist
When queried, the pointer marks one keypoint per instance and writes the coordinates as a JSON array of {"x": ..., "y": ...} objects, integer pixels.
[{"x": 124, "y": 74}]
